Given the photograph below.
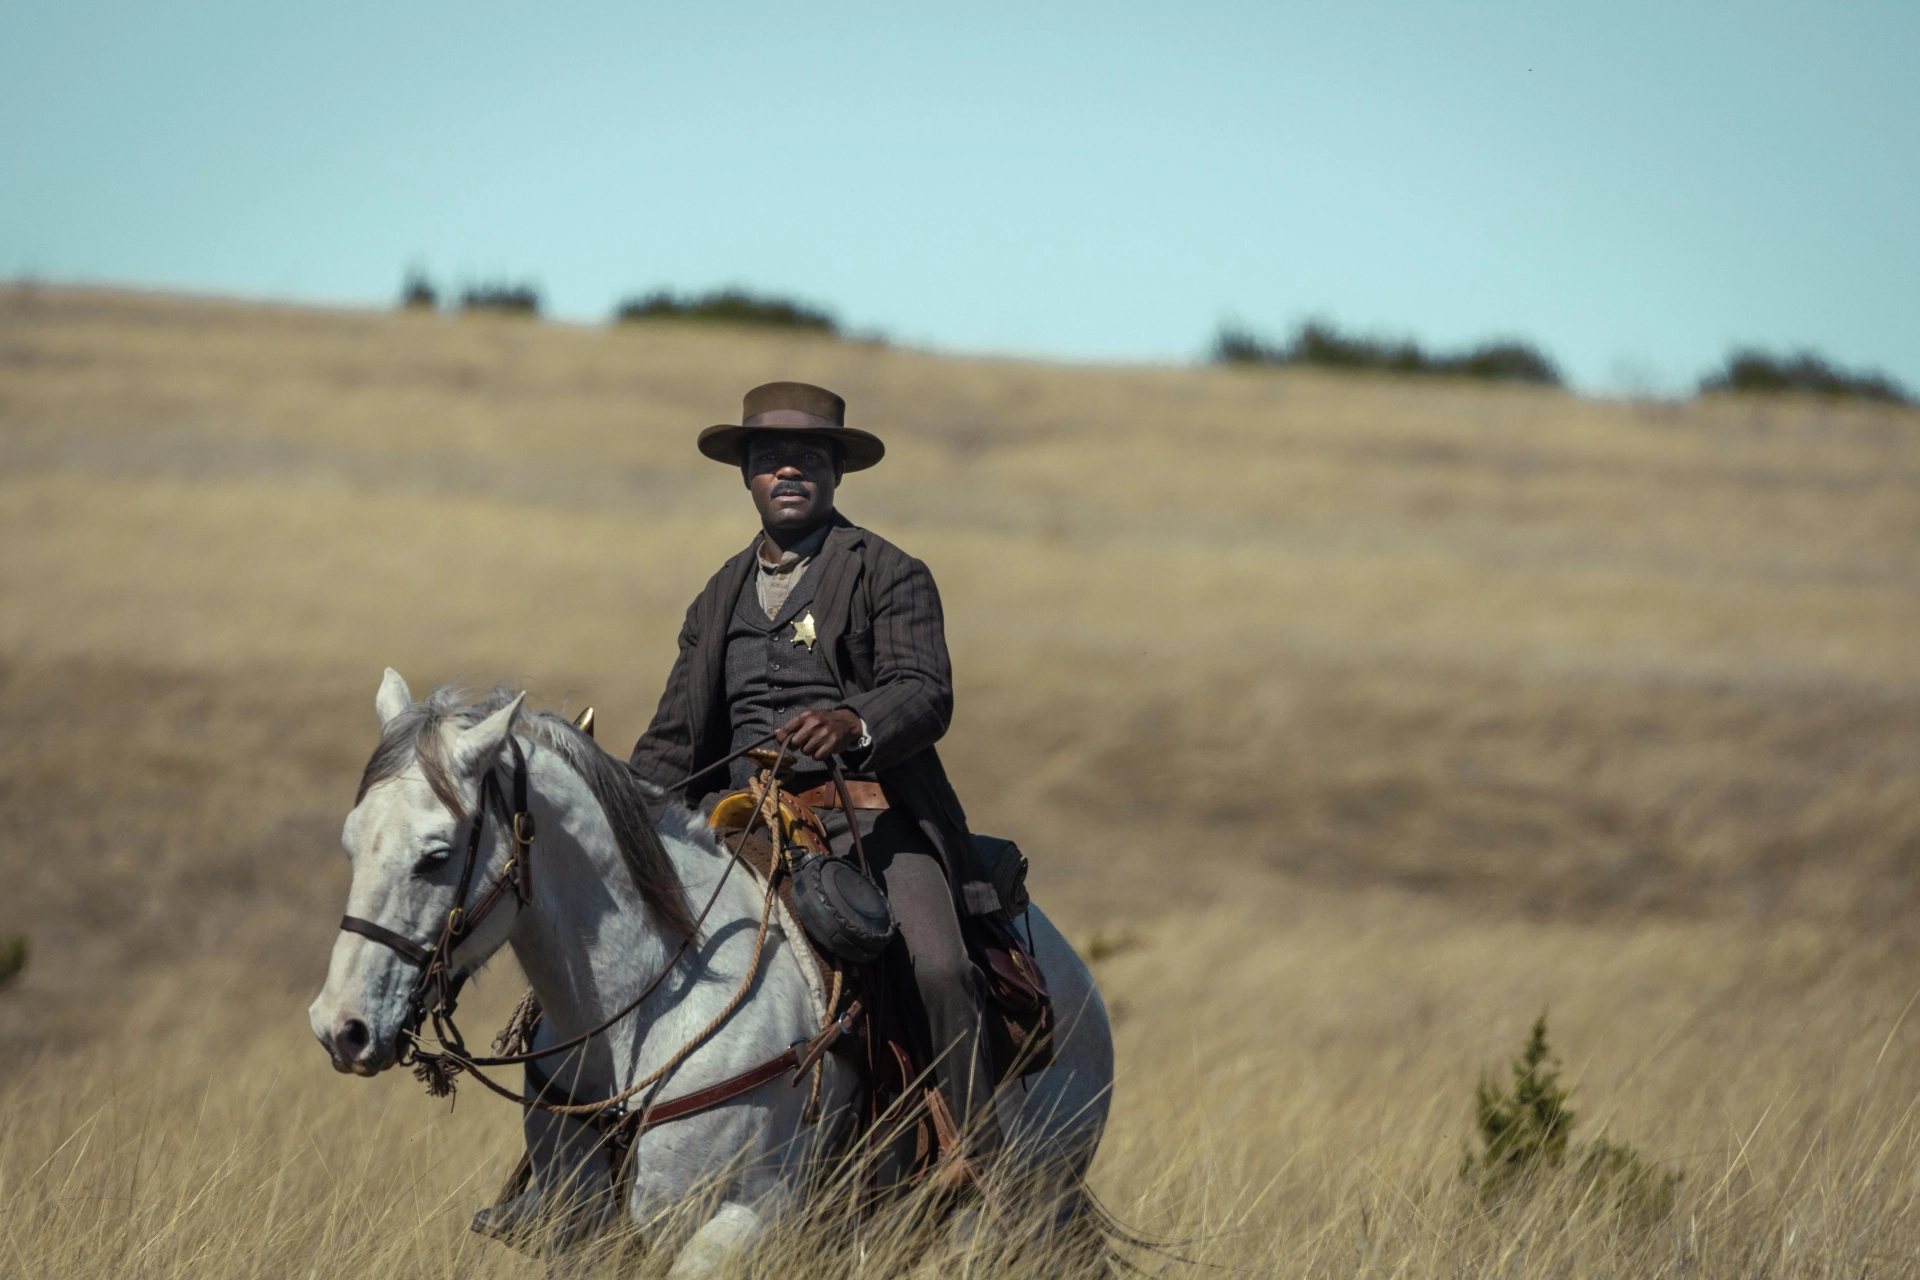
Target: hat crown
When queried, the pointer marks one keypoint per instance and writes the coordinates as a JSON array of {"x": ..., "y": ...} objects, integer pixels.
[
  {"x": 794, "y": 397},
  {"x": 793, "y": 407}
]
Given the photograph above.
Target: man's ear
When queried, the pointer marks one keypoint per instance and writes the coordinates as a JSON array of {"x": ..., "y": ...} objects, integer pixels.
[{"x": 480, "y": 746}]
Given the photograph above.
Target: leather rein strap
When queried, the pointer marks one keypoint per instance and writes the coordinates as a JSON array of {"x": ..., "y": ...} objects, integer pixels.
[
  {"x": 798, "y": 1057},
  {"x": 680, "y": 1108},
  {"x": 380, "y": 933},
  {"x": 714, "y": 1094}
]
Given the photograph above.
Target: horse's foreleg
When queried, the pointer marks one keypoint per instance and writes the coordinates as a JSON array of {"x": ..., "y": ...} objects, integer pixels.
[
  {"x": 719, "y": 1243},
  {"x": 569, "y": 1193}
]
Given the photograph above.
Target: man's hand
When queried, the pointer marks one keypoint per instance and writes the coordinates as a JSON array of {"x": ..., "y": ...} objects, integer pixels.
[{"x": 821, "y": 733}]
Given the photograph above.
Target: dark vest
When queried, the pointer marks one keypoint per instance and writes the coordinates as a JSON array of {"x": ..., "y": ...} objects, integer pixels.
[{"x": 772, "y": 677}]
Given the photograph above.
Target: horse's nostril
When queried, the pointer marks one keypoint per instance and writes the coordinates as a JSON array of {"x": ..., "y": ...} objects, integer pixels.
[{"x": 352, "y": 1039}]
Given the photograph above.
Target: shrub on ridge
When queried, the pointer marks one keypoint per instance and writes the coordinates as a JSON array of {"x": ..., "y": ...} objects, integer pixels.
[
  {"x": 1318, "y": 344},
  {"x": 501, "y": 298},
  {"x": 727, "y": 306},
  {"x": 1749, "y": 371}
]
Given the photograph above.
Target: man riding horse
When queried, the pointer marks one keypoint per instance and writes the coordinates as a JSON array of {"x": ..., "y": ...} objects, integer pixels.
[{"x": 831, "y": 638}]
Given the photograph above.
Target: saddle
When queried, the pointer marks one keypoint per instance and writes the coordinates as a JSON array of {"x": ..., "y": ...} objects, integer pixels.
[
  {"x": 1019, "y": 1008},
  {"x": 876, "y": 1034}
]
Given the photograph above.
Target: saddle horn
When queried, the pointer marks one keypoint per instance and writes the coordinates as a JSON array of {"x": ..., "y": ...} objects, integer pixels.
[{"x": 584, "y": 722}]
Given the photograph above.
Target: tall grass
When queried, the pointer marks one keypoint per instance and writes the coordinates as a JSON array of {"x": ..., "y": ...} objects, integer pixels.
[
  {"x": 1349, "y": 722},
  {"x": 207, "y": 1138}
]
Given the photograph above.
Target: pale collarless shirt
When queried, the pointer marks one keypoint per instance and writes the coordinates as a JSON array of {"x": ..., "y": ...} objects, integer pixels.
[{"x": 781, "y": 571}]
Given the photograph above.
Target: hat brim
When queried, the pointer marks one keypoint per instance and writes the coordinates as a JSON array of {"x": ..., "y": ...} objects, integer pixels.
[{"x": 722, "y": 443}]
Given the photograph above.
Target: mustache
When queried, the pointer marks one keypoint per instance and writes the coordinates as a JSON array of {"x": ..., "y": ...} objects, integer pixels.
[{"x": 790, "y": 489}]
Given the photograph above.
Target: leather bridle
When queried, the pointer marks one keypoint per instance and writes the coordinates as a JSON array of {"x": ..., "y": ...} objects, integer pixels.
[{"x": 437, "y": 989}]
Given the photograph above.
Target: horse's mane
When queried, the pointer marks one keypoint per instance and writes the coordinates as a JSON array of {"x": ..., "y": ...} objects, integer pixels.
[{"x": 415, "y": 734}]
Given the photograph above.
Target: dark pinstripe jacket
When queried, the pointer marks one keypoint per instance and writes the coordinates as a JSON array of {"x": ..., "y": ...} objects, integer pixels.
[{"x": 877, "y": 614}]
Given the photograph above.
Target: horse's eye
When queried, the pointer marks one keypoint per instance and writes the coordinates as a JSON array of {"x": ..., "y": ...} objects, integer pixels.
[{"x": 429, "y": 860}]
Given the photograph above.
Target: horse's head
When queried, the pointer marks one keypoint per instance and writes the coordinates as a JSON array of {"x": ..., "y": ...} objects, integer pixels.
[{"x": 407, "y": 838}]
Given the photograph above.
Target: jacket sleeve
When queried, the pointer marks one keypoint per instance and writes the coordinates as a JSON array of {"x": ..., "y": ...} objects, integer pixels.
[
  {"x": 664, "y": 753},
  {"x": 910, "y": 703}
]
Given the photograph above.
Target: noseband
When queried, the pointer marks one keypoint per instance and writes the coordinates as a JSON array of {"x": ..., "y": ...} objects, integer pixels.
[{"x": 438, "y": 986}]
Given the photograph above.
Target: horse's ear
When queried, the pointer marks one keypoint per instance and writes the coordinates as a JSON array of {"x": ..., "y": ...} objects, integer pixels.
[
  {"x": 393, "y": 698},
  {"x": 478, "y": 747}
]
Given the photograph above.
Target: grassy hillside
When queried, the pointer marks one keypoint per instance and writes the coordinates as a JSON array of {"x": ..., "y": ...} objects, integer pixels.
[{"x": 1357, "y": 718}]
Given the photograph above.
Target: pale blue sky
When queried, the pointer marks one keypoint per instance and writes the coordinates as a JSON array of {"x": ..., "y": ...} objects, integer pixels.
[{"x": 1633, "y": 185}]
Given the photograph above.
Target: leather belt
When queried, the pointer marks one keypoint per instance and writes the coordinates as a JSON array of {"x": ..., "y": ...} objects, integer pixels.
[{"x": 866, "y": 795}]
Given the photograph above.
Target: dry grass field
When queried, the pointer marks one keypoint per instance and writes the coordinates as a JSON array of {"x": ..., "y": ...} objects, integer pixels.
[{"x": 1350, "y": 723}]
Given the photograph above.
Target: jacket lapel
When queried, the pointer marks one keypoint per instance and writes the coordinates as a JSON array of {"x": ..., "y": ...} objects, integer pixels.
[{"x": 840, "y": 566}]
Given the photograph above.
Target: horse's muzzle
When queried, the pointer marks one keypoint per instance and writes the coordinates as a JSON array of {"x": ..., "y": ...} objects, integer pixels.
[{"x": 349, "y": 1042}]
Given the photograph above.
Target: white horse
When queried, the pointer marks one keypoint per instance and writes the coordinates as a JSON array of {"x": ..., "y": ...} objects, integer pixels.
[{"x": 611, "y": 894}]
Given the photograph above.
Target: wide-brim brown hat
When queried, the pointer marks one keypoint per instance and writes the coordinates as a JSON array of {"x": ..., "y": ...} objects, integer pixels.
[{"x": 797, "y": 407}]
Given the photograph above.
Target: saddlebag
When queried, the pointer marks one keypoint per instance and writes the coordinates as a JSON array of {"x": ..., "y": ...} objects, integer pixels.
[{"x": 1006, "y": 871}]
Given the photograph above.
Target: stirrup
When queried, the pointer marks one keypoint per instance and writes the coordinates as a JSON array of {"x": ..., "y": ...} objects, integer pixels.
[
  {"x": 513, "y": 1222},
  {"x": 532, "y": 1223}
]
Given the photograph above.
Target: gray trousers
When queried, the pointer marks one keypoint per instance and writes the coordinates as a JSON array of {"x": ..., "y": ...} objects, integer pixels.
[{"x": 951, "y": 990}]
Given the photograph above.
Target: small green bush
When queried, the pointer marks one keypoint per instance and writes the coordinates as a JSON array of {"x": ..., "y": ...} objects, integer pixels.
[
  {"x": 502, "y": 298},
  {"x": 1318, "y": 344},
  {"x": 1523, "y": 1128},
  {"x": 1235, "y": 345},
  {"x": 1504, "y": 362},
  {"x": 13, "y": 959},
  {"x": 1753, "y": 372},
  {"x": 417, "y": 292},
  {"x": 727, "y": 306},
  {"x": 1526, "y": 1129}
]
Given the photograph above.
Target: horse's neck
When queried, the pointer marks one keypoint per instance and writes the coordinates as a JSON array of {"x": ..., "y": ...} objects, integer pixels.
[
  {"x": 587, "y": 943},
  {"x": 586, "y": 932}
]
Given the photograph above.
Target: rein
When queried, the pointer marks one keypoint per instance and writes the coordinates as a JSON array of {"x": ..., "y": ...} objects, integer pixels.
[{"x": 436, "y": 991}]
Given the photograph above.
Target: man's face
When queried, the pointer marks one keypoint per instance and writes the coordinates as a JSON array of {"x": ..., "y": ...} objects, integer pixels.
[{"x": 792, "y": 478}]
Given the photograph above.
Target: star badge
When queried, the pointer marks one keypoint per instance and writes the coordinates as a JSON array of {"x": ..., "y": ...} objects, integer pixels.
[{"x": 803, "y": 631}]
